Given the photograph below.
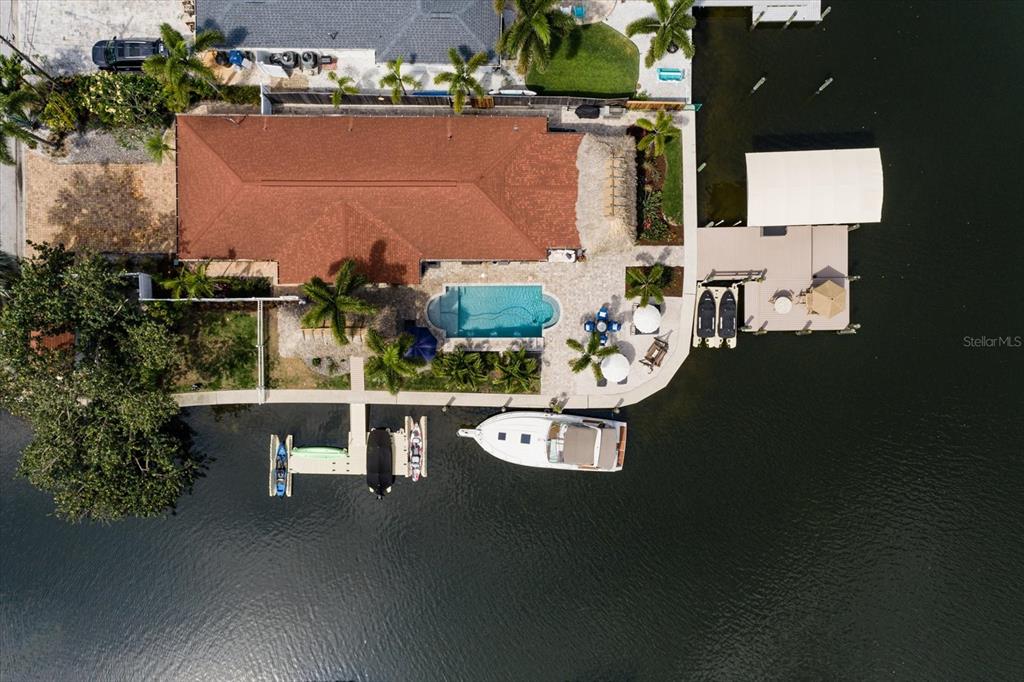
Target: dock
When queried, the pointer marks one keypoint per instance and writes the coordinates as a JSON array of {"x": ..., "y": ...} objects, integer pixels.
[
  {"x": 773, "y": 11},
  {"x": 408, "y": 453},
  {"x": 778, "y": 269}
]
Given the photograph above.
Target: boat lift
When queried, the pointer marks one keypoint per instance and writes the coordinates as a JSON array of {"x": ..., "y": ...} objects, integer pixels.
[{"x": 380, "y": 454}]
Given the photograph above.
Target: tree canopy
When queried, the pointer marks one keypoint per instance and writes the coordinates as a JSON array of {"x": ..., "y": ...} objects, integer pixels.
[{"x": 90, "y": 369}]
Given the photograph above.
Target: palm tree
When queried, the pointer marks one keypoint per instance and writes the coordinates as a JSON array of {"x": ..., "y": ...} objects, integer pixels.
[
  {"x": 646, "y": 283},
  {"x": 333, "y": 303},
  {"x": 517, "y": 372},
  {"x": 389, "y": 364},
  {"x": 181, "y": 70},
  {"x": 460, "y": 80},
  {"x": 157, "y": 148},
  {"x": 346, "y": 86},
  {"x": 15, "y": 123},
  {"x": 191, "y": 282},
  {"x": 461, "y": 370},
  {"x": 396, "y": 80},
  {"x": 657, "y": 134},
  {"x": 669, "y": 27},
  {"x": 529, "y": 37},
  {"x": 590, "y": 354}
]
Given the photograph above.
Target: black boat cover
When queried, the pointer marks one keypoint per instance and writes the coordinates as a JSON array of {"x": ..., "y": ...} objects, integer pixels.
[
  {"x": 727, "y": 315},
  {"x": 379, "y": 459},
  {"x": 706, "y": 315}
]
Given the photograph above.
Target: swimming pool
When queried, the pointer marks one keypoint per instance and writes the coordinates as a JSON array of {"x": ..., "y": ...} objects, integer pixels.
[{"x": 514, "y": 310}]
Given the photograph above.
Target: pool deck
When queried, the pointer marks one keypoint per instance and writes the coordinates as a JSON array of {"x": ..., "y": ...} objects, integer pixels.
[{"x": 581, "y": 288}]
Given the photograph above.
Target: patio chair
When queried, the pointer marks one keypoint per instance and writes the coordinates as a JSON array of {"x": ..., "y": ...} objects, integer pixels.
[
  {"x": 604, "y": 339},
  {"x": 655, "y": 354},
  {"x": 614, "y": 326},
  {"x": 589, "y": 326},
  {"x": 602, "y": 314}
]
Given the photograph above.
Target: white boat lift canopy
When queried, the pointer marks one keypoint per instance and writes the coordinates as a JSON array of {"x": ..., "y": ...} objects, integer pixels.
[{"x": 822, "y": 187}]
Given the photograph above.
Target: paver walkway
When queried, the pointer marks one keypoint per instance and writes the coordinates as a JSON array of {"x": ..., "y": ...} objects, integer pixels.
[{"x": 356, "y": 373}]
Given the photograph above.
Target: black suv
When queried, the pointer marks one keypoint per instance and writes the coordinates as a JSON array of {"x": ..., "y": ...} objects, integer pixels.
[{"x": 125, "y": 54}]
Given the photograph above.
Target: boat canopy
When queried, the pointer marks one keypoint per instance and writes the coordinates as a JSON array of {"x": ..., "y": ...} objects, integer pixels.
[
  {"x": 608, "y": 457},
  {"x": 579, "y": 445}
]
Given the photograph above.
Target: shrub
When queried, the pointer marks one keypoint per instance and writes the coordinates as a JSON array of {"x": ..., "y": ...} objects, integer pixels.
[
  {"x": 244, "y": 287},
  {"x": 131, "y": 105},
  {"x": 63, "y": 110},
  {"x": 655, "y": 228}
]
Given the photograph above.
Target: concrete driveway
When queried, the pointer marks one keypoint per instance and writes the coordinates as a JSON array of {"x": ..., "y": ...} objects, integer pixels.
[{"x": 62, "y": 32}]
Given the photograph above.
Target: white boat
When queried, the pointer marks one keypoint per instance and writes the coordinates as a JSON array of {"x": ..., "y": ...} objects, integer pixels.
[{"x": 553, "y": 441}]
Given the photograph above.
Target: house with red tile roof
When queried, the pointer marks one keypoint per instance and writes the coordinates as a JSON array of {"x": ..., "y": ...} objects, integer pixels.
[{"x": 390, "y": 192}]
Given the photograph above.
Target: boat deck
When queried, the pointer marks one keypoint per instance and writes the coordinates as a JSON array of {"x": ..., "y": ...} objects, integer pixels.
[{"x": 770, "y": 261}]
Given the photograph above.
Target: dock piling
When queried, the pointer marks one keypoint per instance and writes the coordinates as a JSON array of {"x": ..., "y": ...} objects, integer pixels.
[
  {"x": 758, "y": 84},
  {"x": 824, "y": 14},
  {"x": 790, "y": 20},
  {"x": 757, "y": 19}
]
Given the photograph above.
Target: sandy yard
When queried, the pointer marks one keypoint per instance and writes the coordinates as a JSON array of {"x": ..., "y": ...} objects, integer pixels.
[{"x": 111, "y": 208}]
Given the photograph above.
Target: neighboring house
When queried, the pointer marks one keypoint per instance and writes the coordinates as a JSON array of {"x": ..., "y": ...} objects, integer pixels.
[
  {"x": 419, "y": 31},
  {"x": 390, "y": 192},
  {"x": 38, "y": 340}
]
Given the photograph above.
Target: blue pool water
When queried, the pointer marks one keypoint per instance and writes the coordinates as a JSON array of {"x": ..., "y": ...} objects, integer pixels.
[{"x": 493, "y": 311}]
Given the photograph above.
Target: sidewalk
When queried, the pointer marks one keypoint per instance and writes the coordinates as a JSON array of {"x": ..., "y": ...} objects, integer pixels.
[{"x": 12, "y": 234}]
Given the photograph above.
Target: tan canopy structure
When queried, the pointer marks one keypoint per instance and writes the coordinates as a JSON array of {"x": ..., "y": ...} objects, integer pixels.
[
  {"x": 826, "y": 298},
  {"x": 820, "y": 187}
]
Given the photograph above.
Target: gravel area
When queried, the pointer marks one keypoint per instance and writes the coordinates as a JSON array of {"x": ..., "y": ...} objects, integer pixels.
[
  {"x": 396, "y": 304},
  {"x": 97, "y": 146}
]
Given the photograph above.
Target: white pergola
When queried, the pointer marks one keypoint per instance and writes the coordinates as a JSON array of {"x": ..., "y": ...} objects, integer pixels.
[{"x": 824, "y": 187}]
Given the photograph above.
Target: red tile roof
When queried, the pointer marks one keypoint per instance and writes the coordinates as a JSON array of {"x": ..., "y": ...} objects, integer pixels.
[{"x": 309, "y": 192}]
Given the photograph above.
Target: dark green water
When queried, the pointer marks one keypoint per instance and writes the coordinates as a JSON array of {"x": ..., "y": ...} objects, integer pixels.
[{"x": 800, "y": 508}]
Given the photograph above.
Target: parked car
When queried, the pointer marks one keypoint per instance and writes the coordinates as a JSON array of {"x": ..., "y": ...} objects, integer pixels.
[{"x": 125, "y": 54}]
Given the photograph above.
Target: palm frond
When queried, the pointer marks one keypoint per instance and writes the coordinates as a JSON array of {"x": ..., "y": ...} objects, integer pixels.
[{"x": 207, "y": 39}]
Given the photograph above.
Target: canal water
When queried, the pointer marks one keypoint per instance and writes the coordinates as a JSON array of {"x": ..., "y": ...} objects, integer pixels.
[{"x": 827, "y": 507}]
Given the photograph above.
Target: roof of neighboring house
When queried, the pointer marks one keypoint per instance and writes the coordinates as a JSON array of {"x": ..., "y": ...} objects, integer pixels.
[
  {"x": 416, "y": 30},
  {"x": 308, "y": 192},
  {"x": 37, "y": 339}
]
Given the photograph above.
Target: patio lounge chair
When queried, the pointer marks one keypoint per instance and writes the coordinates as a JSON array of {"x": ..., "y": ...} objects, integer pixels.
[{"x": 655, "y": 354}]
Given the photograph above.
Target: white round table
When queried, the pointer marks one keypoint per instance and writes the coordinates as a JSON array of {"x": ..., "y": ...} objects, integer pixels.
[{"x": 783, "y": 304}]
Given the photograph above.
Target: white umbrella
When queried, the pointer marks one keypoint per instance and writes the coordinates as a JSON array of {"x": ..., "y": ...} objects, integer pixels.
[
  {"x": 615, "y": 368},
  {"x": 647, "y": 319}
]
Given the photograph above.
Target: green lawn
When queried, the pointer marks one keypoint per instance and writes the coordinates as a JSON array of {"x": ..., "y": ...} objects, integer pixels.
[
  {"x": 219, "y": 350},
  {"x": 594, "y": 60},
  {"x": 672, "y": 192}
]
